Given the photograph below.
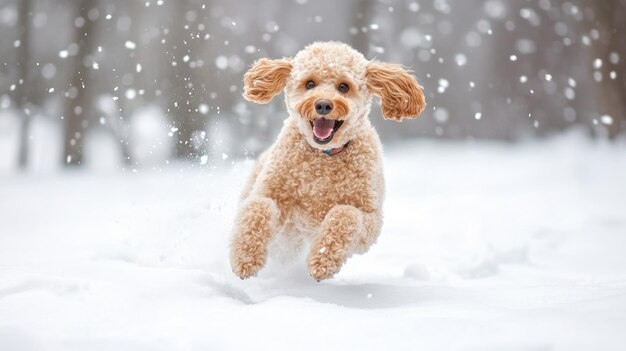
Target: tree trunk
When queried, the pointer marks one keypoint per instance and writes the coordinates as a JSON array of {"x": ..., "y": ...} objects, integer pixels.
[
  {"x": 77, "y": 110},
  {"x": 362, "y": 12},
  {"x": 610, "y": 91},
  {"x": 184, "y": 87},
  {"x": 21, "y": 96},
  {"x": 127, "y": 107}
]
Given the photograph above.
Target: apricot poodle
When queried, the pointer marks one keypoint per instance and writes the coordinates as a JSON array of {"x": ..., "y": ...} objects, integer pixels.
[{"x": 322, "y": 180}]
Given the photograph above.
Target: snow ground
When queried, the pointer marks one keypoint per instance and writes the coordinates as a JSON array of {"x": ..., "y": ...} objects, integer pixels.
[{"x": 486, "y": 246}]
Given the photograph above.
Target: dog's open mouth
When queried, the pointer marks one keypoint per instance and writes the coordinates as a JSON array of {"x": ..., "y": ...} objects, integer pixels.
[{"x": 324, "y": 129}]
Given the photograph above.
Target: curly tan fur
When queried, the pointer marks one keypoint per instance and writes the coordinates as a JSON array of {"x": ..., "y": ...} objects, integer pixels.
[
  {"x": 266, "y": 79},
  {"x": 401, "y": 96},
  {"x": 332, "y": 246},
  {"x": 298, "y": 192},
  {"x": 256, "y": 223}
]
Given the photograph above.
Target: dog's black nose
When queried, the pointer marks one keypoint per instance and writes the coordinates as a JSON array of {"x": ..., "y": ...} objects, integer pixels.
[{"x": 323, "y": 107}]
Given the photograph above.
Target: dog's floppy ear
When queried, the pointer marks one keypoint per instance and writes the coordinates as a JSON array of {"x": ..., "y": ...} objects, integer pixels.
[
  {"x": 400, "y": 94},
  {"x": 266, "y": 79}
]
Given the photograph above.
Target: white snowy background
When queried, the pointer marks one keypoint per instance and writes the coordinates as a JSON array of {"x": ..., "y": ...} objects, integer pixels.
[{"x": 124, "y": 143}]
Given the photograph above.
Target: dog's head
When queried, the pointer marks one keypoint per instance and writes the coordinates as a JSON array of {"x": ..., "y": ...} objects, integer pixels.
[{"x": 328, "y": 88}]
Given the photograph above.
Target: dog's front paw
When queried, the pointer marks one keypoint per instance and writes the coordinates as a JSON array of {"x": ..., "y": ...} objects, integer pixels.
[
  {"x": 331, "y": 248},
  {"x": 253, "y": 230},
  {"x": 247, "y": 259},
  {"x": 323, "y": 264}
]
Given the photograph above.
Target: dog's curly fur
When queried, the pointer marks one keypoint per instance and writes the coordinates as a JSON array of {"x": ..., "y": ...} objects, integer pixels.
[{"x": 299, "y": 192}]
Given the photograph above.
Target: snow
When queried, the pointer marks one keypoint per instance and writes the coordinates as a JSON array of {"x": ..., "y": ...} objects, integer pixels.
[
  {"x": 460, "y": 59},
  {"x": 130, "y": 45},
  {"x": 486, "y": 246}
]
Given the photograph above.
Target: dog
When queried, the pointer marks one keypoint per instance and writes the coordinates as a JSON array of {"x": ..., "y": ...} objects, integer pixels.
[{"x": 322, "y": 180}]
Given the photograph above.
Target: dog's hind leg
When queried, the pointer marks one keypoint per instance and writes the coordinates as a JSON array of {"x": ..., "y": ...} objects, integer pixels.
[
  {"x": 372, "y": 223},
  {"x": 255, "y": 224},
  {"x": 345, "y": 230}
]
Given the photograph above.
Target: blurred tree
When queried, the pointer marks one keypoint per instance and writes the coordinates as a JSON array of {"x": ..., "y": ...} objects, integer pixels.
[
  {"x": 128, "y": 106},
  {"x": 608, "y": 54},
  {"x": 362, "y": 12},
  {"x": 185, "y": 84},
  {"x": 21, "y": 94},
  {"x": 77, "y": 109}
]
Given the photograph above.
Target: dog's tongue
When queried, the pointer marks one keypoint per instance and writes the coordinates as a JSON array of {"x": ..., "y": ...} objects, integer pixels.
[{"x": 322, "y": 127}]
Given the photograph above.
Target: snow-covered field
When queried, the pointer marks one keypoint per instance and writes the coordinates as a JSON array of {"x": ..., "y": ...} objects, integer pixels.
[{"x": 486, "y": 246}]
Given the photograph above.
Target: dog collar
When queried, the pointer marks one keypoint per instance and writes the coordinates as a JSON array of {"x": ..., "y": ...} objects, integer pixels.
[{"x": 336, "y": 150}]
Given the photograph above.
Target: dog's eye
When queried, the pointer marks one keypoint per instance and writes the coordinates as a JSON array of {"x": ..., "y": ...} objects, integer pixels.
[
  {"x": 343, "y": 87},
  {"x": 310, "y": 85}
]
